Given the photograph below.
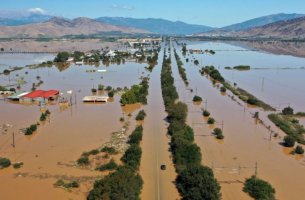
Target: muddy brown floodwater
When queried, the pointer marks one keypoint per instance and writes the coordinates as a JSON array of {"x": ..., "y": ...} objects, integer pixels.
[
  {"x": 245, "y": 144},
  {"x": 51, "y": 152},
  {"x": 158, "y": 184}
]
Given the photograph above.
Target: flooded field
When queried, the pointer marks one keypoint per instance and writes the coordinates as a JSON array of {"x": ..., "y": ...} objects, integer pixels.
[
  {"x": 276, "y": 79},
  {"x": 247, "y": 147},
  {"x": 51, "y": 152}
]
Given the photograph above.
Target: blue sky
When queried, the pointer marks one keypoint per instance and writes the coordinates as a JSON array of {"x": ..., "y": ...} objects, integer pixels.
[{"x": 205, "y": 12}]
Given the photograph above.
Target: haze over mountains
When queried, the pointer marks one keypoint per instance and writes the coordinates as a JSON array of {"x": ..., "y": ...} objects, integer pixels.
[{"x": 41, "y": 25}]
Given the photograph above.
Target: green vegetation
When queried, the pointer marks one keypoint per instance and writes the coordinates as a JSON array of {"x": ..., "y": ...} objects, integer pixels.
[
  {"x": 67, "y": 185},
  {"x": 6, "y": 72},
  {"x": 289, "y": 125},
  {"x": 83, "y": 161},
  {"x": 196, "y": 62},
  {"x": 242, "y": 67},
  {"x": 18, "y": 165},
  {"x": 111, "y": 165},
  {"x": 141, "y": 115},
  {"x": 180, "y": 68},
  {"x": 206, "y": 113},
  {"x": 289, "y": 141},
  {"x": 100, "y": 87},
  {"x": 223, "y": 89},
  {"x": 62, "y": 57},
  {"x": 259, "y": 189},
  {"x": 137, "y": 94},
  {"x": 109, "y": 150},
  {"x": 299, "y": 150},
  {"x": 193, "y": 181},
  {"x": 242, "y": 94},
  {"x": 111, "y": 93},
  {"x": 4, "y": 162},
  {"x": 153, "y": 61},
  {"x": 44, "y": 115},
  {"x": 198, "y": 183},
  {"x": 219, "y": 134},
  {"x": 125, "y": 182},
  {"x": 31, "y": 129},
  {"x": 2, "y": 88},
  {"x": 211, "y": 120},
  {"x": 197, "y": 98},
  {"x": 287, "y": 111}
]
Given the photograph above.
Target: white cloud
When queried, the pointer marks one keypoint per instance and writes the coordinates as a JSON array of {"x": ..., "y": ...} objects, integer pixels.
[
  {"x": 123, "y": 7},
  {"x": 36, "y": 10}
]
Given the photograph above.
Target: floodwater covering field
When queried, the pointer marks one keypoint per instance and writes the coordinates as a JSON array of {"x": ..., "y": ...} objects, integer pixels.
[
  {"x": 247, "y": 148},
  {"x": 51, "y": 152},
  {"x": 246, "y": 142}
]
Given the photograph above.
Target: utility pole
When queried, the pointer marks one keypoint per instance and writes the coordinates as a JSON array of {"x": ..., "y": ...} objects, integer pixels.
[
  {"x": 256, "y": 169},
  {"x": 222, "y": 124},
  {"x": 206, "y": 104},
  {"x": 13, "y": 140}
]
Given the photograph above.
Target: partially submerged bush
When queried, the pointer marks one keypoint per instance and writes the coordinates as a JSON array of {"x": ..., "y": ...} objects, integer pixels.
[
  {"x": 287, "y": 111},
  {"x": 299, "y": 150},
  {"x": 84, "y": 160},
  {"x": 18, "y": 165},
  {"x": 4, "y": 162},
  {"x": 62, "y": 183},
  {"x": 259, "y": 189},
  {"x": 211, "y": 120},
  {"x": 109, "y": 150},
  {"x": 197, "y": 98},
  {"x": 289, "y": 141},
  {"x": 31, "y": 129},
  {"x": 111, "y": 165},
  {"x": 141, "y": 115},
  {"x": 206, "y": 113}
]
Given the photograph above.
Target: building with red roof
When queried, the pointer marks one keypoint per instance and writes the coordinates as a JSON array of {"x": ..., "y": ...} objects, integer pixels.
[{"x": 49, "y": 94}]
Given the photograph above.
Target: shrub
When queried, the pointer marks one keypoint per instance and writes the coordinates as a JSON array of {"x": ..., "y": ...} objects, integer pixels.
[
  {"x": 211, "y": 120},
  {"x": 141, "y": 115},
  {"x": 18, "y": 165},
  {"x": 31, "y": 129},
  {"x": 111, "y": 93},
  {"x": 110, "y": 150},
  {"x": 108, "y": 88},
  {"x": 252, "y": 101},
  {"x": 197, "y": 98},
  {"x": 4, "y": 162},
  {"x": 84, "y": 160},
  {"x": 219, "y": 134},
  {"x": 289, "y": 141},
  {"x": 43, "y": 117},
  {"x": 299, "y": 150},
  {"x": 223, "y": 89},
  {"x": 206, "y": 113},
  {"x": 287, "y": 111},
  {"x": 6, "y": 72},
  {"x": 259, "y": 189},
  {"x": 111, "y": 165},
  {"x": 100, "y": 87},
  {"x": 93, "y": 90}
]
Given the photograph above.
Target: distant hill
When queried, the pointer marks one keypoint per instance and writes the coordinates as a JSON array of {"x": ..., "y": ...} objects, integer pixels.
[
  {"x": 57, "y": 27},
  {"x": 158, "y": 26},
  {"x": 294, "y": 28},
  {"x": 23, "y": 20},
  {"x": 260, "y": 21}
]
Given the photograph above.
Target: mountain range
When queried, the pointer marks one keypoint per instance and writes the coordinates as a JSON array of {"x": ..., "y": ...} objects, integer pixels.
[
  {"x": 58, "y": 27},
  {"x": 41, "y": 25}
]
